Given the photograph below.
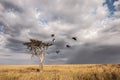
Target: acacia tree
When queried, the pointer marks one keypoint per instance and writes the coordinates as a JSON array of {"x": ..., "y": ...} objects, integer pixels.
[{"x": 38, "y": 48}]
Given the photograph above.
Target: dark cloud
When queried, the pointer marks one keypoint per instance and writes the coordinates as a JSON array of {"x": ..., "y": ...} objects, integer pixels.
[
  {"x": 10, "y": 6},
  {"x": 15, "y": 45},
  {"x": 96, "y": 54}
]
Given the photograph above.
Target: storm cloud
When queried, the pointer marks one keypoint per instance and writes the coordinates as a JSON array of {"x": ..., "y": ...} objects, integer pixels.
[{"x": 94, "y": 23}]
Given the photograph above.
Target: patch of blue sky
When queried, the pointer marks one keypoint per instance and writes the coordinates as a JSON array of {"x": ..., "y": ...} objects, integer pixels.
[
  {"x": 43, "y": 21},
  {"x": 10, "y": 10},
  {"x": 1, "y": 28},
  {"x": 111, "y": 7},
  {"x": 41, "y": 18}
]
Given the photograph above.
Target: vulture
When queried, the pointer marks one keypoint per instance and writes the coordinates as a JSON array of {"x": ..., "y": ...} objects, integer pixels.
[
  {"x": 68, "y": 46},
  {"x": 53, "y": 40},
  {"x": 58, "y": 51},
  {"x": 74, "y": 38},
  {"x": 52, "y": 35}
]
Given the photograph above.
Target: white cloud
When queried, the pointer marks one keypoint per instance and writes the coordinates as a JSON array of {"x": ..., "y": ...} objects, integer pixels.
[{"x": 86, "y": 19}]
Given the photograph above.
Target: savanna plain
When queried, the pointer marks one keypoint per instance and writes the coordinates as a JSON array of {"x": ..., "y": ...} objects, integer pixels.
[{"x": 61, "y": 72}]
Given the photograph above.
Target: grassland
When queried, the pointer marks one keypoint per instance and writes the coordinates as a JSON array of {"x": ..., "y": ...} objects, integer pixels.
[{"x": 61, "y": 72}]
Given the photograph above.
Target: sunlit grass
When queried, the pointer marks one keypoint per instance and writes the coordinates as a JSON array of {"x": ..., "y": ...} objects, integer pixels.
[{"x": 61, "y": 72}]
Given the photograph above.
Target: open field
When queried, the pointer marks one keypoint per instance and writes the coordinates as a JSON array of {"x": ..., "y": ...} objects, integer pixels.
[{"x": 61, "y": 72}]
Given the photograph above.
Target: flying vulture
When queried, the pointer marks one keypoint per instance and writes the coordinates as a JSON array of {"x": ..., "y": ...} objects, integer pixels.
[
  {"x": 58, "y": 51},
  {"x": 68, "y": 46},
  {"x": 52, "y": 35},
  {"x": 74, "y": 38}
]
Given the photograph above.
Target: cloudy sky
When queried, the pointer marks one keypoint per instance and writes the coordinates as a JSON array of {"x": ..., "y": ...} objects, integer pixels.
[{"x": 95, "y": 23}]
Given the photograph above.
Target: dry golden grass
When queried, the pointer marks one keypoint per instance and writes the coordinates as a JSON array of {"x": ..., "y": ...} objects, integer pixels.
[{"x": 61, "y": 72}]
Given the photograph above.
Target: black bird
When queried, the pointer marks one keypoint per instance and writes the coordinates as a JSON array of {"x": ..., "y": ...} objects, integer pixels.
[
  {"x": 68, "y": 46},
  {"x": 58, "y": 51},
  {"x": 74, "y": 38},
  {"x": 53, "y": 40},
  {"x": 52, "y": 35}
]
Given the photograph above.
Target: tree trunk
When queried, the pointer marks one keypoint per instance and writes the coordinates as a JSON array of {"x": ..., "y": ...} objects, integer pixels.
[
  {"x": 41, "y": 61},
  {"x": 40, "y": 67}
]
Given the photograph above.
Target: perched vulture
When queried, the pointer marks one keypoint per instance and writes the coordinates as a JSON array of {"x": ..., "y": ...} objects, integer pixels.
[
  {"x": 53, "y": 40},
  {"x": 74, "y": 38}
]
